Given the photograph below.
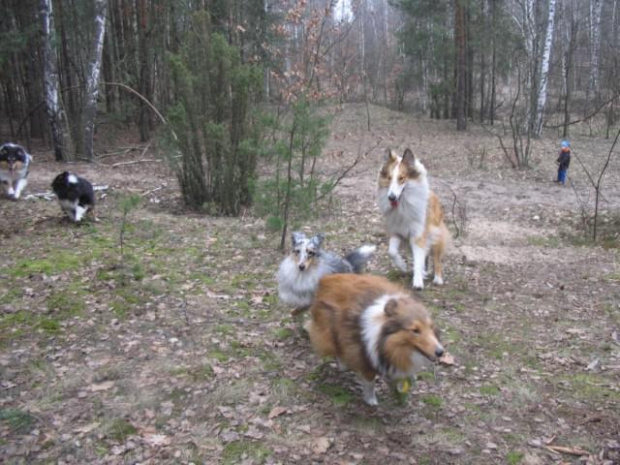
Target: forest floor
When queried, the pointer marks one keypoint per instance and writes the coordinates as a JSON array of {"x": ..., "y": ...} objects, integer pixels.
[{"x": 175, "y": 349}]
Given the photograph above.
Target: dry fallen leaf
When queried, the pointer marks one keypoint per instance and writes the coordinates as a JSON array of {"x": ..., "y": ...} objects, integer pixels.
[
  {"x": 86, "y": 428},
  {"x": 102, "y": 386},
  {"x": 156, "y": 440},
  {"x": 446, "y": 359},
  {"x": 276, "y": 412},
  {"x": 321, "y": 445}
]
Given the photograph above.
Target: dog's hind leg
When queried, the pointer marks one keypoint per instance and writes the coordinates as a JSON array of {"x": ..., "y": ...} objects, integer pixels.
[
  {"x": 438, "y": 250},
  {"x": 397, "y": 260}
]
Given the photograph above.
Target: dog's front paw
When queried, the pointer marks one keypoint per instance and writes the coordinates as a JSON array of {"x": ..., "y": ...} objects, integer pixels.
[
  {"x": 418, "y": 282},
  {"x": 372, "y": 401},
  {"x": 438, "y": 280}
]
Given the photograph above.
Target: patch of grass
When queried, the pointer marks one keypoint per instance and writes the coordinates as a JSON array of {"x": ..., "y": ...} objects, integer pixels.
[
  {"x": 552, "y": 242},
  {"x": 49, "y": 325},
  {"x": 425, "y": 376},
  {"x": 66, "y": 303},
  {"x": 432, "y": 401},
  {"x": 225, "y": 329},
  {"x": 57, "y": 263},
  {"x": 514, "y": 457},
  {"x": 14, "y": 294},
  {"x": 120, "y": 429},
  {"x": 17, "y": 420},
  {"x": 489, "y": 390},
  {"x": 337, "y": 394},
  {"x": 282, "y": 334},
  {"x": 219, "y": 356},
  {"x": 590, "y": 387},
  {"x": 236, "y": 451}
]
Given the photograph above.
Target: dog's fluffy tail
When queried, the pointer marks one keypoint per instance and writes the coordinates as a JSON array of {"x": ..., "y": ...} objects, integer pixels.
[{"x": 359, "y": 257}]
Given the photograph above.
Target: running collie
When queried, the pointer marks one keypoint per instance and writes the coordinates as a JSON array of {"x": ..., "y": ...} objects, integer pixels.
[
  {"x": 412, "y": 212},
  {"x": 299, "y": 273},
  {"x": 373, "y": 327},
  {"x": 75, "y": 195},
  {"x": 14, "y": 169}
]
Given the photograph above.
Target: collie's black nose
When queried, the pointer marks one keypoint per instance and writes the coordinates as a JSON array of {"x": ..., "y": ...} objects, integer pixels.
[
  {"x": 439, "y": 351},
  {"x": 302, "y": 267},
  {"x": 391, "y": 197}
]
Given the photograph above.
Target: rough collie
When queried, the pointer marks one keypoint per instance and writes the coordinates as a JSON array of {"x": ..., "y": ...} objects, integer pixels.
[
  {"x": 299, "y": 273},
  {"x": 373, "y": 327},
  {"x": 413, "y": 213},
  {"x": 14, "y": 169},
  {"x": 75, "y": 195}
]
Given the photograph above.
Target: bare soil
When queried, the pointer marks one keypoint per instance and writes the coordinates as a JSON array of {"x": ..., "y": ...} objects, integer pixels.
[{"x": 175, "y": 349}]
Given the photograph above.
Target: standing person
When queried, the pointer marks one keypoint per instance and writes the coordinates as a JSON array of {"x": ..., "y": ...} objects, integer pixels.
[{"x": 563, "y": 162}]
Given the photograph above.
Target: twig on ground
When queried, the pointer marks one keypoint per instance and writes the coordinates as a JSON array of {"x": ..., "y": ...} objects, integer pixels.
[
  {"x": 144, "y": 194},
  {"x": 567, "y": 450}
]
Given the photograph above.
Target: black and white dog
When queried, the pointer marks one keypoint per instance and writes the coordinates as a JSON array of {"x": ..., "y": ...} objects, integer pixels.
[
  {"x": 75, "y": 195},
  {"x": 14, "y": 168}
]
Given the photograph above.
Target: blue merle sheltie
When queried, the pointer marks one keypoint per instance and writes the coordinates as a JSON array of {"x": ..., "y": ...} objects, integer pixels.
[
  {"x": 300, "y": 272},
  {"x": 75, "y": 195},
  {"x": 14, "y": 168}
]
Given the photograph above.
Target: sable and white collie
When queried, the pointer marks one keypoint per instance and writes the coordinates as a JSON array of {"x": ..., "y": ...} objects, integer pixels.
[
  {"x": 372, "y": 326},
  {"x": 75, "y": 195},
  {"x": 14, "y": 168},
  {"x": 412, "y": 212},
  {"x": 299, "y": 273}
]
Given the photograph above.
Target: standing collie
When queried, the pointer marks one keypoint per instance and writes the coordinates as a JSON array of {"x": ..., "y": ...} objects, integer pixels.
[
  {"x": 412, "y": 212},
  {"x": 14, "y": 168},
  {"x": 299, "y": 273},
  {"x": 75, "y": 195},
  {"x": 372, "y": 326}
]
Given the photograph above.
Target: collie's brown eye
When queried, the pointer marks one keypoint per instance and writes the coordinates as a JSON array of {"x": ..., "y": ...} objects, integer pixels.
[
  {"x": 415, "y": 331},
  {"x": 311, "y": 253},
  {"x": 296, "y": 252},
  {"x": 401, "y": 179},
  {"x": 384, "y": 173}
]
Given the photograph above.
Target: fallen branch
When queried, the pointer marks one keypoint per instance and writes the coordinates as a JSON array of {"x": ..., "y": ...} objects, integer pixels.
[
  {"x": 134, "y": 162},
  {"x": 144, "y": 194},
  {"x": 567, "y": 450}
]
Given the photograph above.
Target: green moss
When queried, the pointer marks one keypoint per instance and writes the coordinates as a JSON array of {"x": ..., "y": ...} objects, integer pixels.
[
  {"x": 17, "y": 420},
  {"x": 432, "y": 401},
  {"x": 49, "y": 325},
  {"x": 489, "y": 390},
  {"x": 219, "y": 356},
  {"x": 590, "y": 387},
  {"x": 514, "y": 457},
  {"x": 120, "y": 430},
  {"x": 66, "y": 303},
  {"x": 57, "y": 263},
  {"x": 234, "y": 452},
  {"x": 337, "y": 394},
  {"x": 282, "y": 334}
]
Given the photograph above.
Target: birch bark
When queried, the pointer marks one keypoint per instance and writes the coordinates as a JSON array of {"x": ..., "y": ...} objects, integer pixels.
[
  {"x": 61, "y": 136},
  {"x": 544, "y": 70},
  {"x": 89, "y": 107}
]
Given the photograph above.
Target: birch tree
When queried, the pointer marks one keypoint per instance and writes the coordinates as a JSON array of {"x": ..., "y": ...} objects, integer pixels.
[
  {"x": 89, "y": 107},
  {"x": 595, "y": 46},
  {"x": 544, "y": 70},
  {"x": 61, "y": 136}
]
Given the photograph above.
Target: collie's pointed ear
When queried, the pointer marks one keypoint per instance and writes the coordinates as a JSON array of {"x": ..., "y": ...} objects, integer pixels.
[
  {"x": 297, "y": 237},
  {"x": 408, "y": 157},
  {"x": 390, "y": 308},
  {"x": 318, "y": 240},
  {"x": 390, "y": 155}
]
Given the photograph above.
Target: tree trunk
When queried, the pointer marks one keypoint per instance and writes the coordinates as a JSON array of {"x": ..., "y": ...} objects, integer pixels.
[
  {"x": 461, "y": 65},
  {"x": 89, "y": 108},
  {"x": 595, "y": 47},
  {"x": 61, "y": 138},
  {"x": 544, "y": 71}
]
